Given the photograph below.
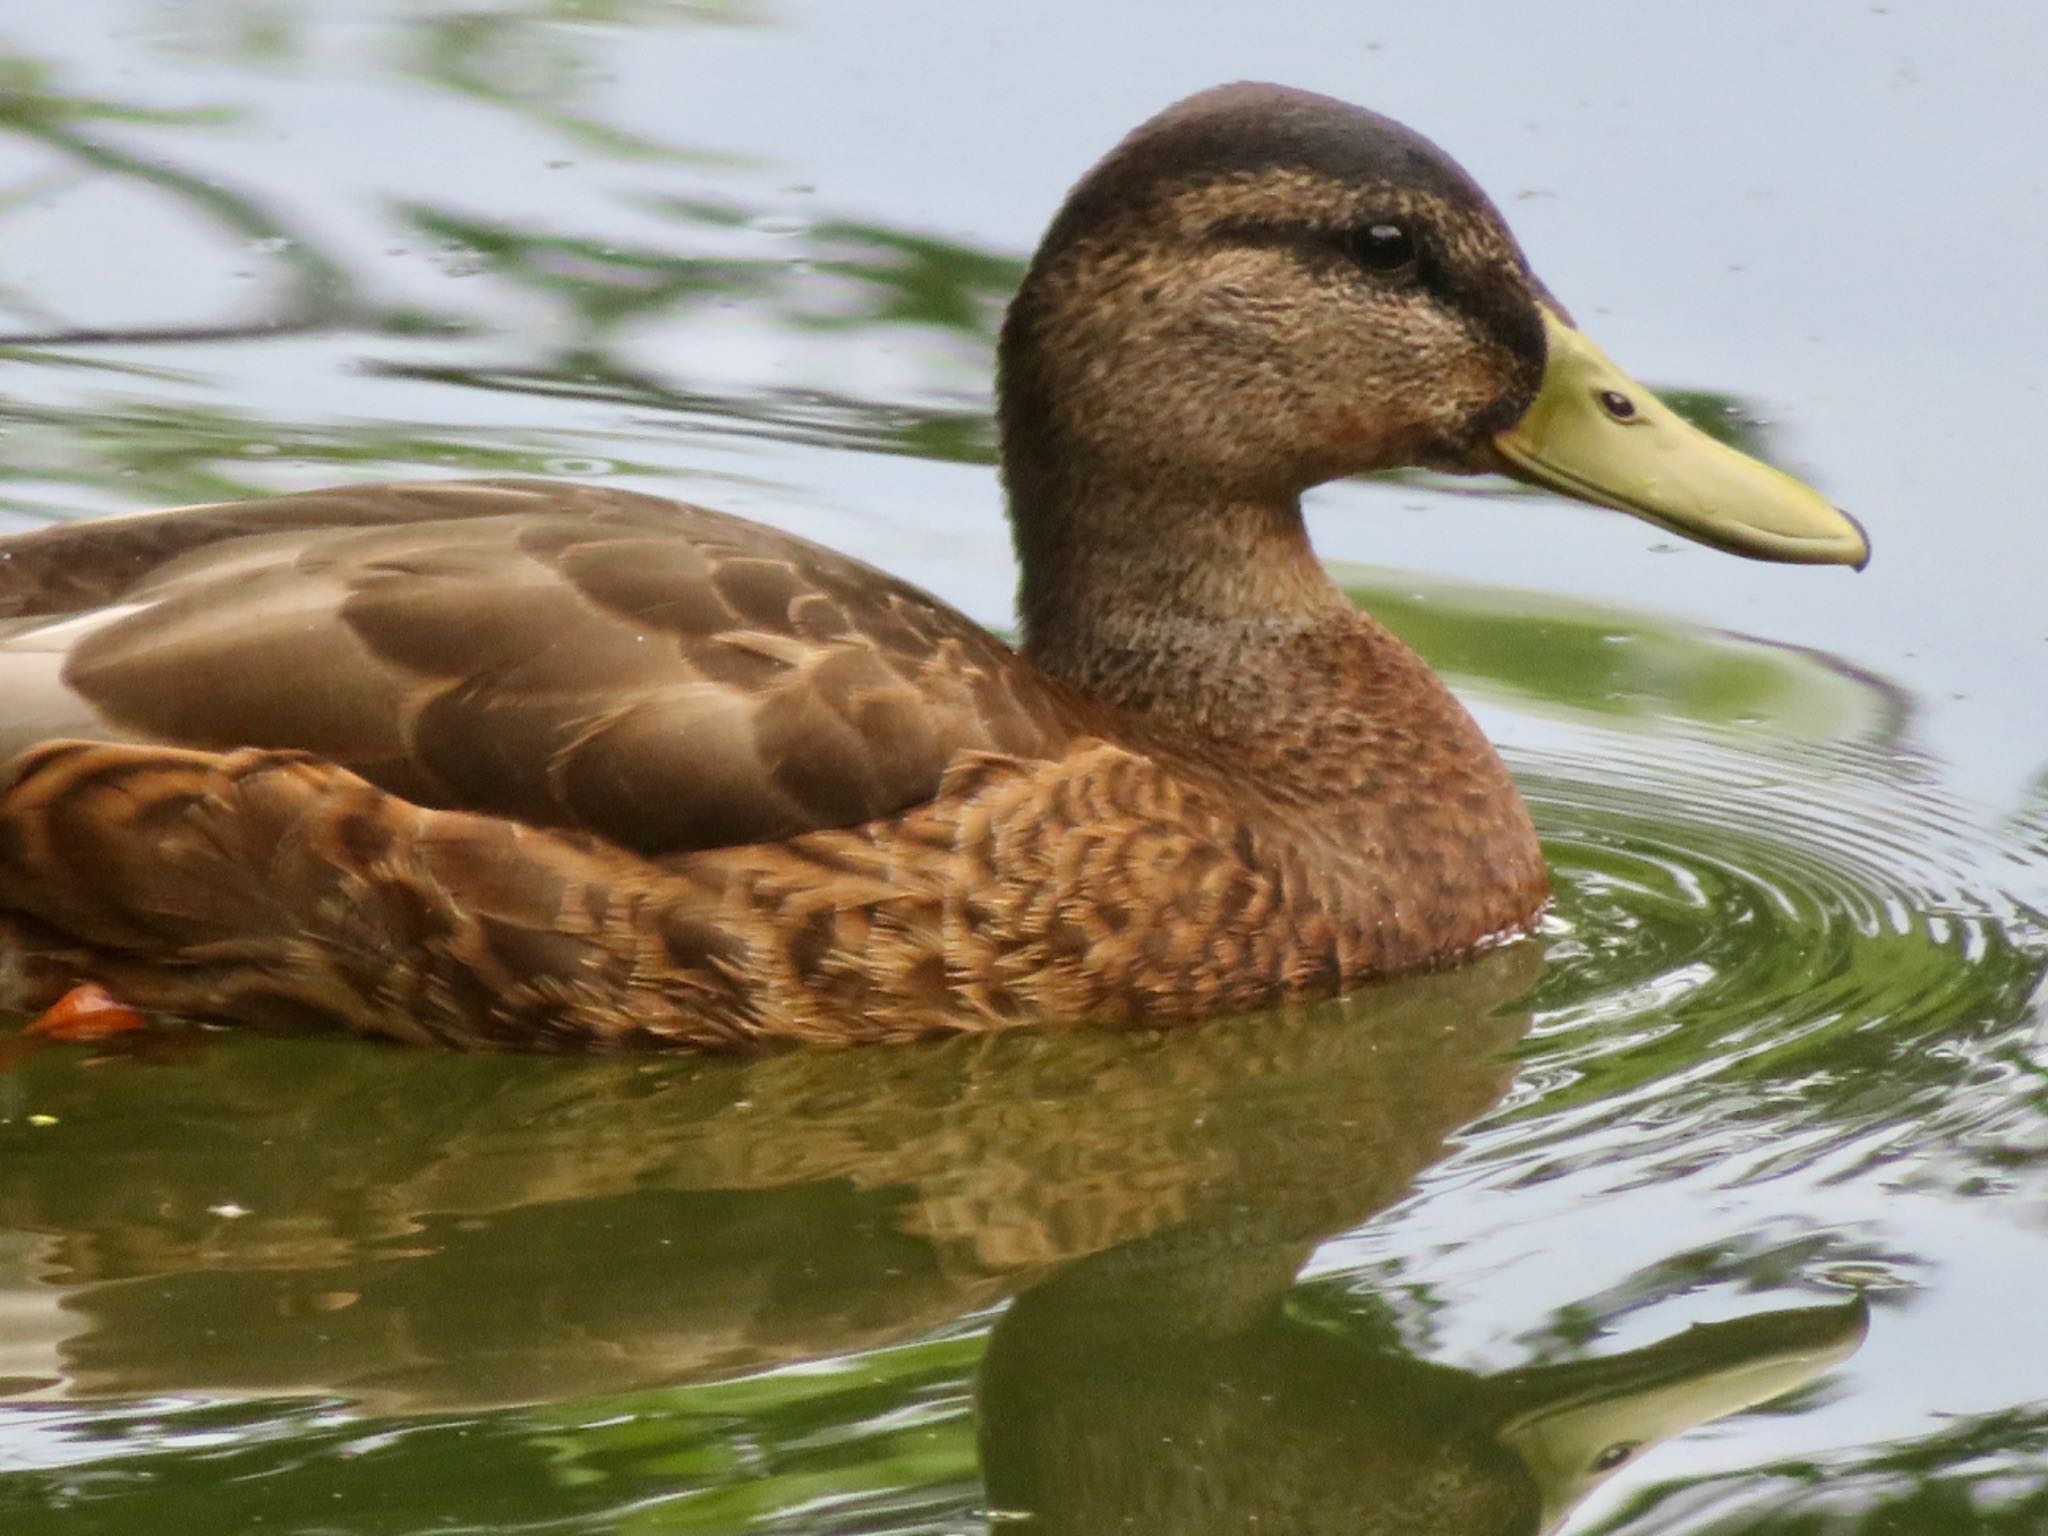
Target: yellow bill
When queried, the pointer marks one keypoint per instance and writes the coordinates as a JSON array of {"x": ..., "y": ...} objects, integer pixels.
[{"x": 1595, "y": 434}]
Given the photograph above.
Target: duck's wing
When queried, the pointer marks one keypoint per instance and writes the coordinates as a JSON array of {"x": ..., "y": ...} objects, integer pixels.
[{"x": 667, "y": 677}]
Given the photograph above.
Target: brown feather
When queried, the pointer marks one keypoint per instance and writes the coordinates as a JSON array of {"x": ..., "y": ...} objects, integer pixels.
[
  {"x": 668, "y": 677},
  {"x": 518, "y": 764}
]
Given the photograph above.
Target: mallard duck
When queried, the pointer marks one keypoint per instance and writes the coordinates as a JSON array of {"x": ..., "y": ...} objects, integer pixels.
[{"x": 523, "y": 764}]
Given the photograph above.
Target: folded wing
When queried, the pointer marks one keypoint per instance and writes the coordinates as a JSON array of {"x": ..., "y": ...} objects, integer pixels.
[{"x": 667, "y": 677}]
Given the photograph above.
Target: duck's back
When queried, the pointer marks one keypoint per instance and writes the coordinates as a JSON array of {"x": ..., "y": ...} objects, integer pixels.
[{"x": 665, "y": 676}]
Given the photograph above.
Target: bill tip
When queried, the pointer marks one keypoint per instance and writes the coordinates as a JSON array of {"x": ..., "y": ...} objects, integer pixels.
[{"x": 1861, "y": 533}]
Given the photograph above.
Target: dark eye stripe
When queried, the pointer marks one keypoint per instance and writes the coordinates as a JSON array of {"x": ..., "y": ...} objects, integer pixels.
[
  {"x": 1501, "y": 304},
  {"x": 1327, "y": 250}
]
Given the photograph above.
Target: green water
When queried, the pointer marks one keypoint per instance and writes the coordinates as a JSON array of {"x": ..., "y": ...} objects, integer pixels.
[{"x": 1426, "y": 1260}]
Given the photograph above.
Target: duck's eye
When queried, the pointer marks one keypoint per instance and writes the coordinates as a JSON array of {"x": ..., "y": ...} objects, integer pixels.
[
  {"x": 1384, "y": 249},
  {"x": 1619, "y": 406},
  {"x": 1614, "y": 1456}
]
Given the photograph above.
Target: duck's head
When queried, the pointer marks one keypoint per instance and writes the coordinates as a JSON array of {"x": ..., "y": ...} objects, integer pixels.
[{"x": 1262, "y": 289}]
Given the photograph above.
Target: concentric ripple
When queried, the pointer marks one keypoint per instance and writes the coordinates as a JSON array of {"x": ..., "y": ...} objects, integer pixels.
[{"x": 1812, "y": 932}]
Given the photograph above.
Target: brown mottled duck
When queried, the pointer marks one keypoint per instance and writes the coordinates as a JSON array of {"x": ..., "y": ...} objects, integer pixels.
[{"x": 518, "y": 764}]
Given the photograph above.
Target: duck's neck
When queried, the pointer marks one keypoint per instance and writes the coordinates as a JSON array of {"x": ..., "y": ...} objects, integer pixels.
[
  {"x": 1227, "y": 653},
  {"x": 1166, "y": 603}
]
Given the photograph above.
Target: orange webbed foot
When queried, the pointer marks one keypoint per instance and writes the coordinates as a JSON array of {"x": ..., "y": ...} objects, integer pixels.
[{"x": 85, "y": 1013}]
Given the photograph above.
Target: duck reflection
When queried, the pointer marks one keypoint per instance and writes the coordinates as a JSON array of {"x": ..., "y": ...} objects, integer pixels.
[
  {"x": 432, "y": 1232},
  {"x": 423, "y": 1233},
  {"x": 1169, "y": 1392}
]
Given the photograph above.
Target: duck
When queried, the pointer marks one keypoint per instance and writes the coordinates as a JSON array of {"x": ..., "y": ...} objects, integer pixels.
[{"x": 527, "y": 765}]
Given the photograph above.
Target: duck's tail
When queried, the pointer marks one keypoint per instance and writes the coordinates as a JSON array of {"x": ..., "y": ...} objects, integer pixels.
[{"x": 272, "y": 889}]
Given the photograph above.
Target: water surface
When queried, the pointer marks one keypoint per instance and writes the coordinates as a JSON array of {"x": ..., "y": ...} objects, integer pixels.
[{"x": 1428, "y": 1254}]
